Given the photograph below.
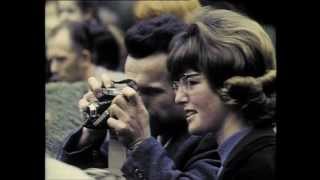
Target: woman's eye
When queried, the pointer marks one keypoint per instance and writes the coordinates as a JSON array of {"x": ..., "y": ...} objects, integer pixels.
[{"x": 192, "y": 82}]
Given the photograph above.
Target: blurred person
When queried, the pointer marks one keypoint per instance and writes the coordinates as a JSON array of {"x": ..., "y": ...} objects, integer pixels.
[
  {"x": 149, "y": 9},
  {"x": 223, "y": 72},
  {"x": 51, "y": 21},
  {"x": 75, "y": 10},
  {"x": 78, "y": 50},
  {"x": 111, "y": 21},
  {"x": 176, "y": 154},
  {"x": 123, "y": 12},
  {"x": 118, "y": 34},
  {"x": 61, "y": 112},
  {"x": 79, "y": 11},
  {"x": 107, "y": 16},
  {"x": 51, "y": 16},
  {"x": 85, "y": 10}
]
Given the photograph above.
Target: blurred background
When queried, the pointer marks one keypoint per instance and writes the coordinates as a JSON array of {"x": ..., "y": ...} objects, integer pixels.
[{"x": 116, "y": 17}]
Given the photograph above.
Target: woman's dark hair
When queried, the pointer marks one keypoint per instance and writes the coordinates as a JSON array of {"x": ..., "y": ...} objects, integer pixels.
[
  {"x": 94, "y": 37},
  {"x": 236, "y": 56},
  {"x": 152, "y": 35}
]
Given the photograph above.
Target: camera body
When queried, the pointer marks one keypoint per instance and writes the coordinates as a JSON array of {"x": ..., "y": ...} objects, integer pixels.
[{"x": 95, "y": 115}]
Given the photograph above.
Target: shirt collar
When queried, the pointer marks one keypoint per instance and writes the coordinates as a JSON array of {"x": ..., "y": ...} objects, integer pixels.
[{"x": 225, "y": 148}]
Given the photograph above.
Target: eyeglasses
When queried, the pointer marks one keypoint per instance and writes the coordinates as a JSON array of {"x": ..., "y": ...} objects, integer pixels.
[{"x": 185, "y": 82}]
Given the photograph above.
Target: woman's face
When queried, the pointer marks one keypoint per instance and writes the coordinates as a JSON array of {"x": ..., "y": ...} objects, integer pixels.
[{"x": 204, "y": 110}]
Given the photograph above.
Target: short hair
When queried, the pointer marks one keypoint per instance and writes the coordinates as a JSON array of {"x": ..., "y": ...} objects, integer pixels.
[
  {"x": 236, "y": 56},
  {"x": 150, "y": 9},
  {"x": 152, "y": 35},
  {"x": 94, "y": 37}
]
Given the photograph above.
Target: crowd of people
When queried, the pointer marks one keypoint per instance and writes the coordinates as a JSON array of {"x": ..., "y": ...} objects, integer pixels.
[{"x": 201, "y": 102}]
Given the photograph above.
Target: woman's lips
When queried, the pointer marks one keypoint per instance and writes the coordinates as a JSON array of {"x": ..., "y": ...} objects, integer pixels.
[{"x": 189, "y": 113}]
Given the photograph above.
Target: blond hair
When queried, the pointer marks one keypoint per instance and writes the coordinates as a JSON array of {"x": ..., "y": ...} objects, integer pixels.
[{"x": 150, "y": 9}]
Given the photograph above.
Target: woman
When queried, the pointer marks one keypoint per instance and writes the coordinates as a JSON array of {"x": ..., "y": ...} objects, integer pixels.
[{"x": 223, "y": 72}]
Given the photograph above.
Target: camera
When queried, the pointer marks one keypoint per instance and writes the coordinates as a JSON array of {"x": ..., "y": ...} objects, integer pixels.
[{"x": 95, "y": 115}]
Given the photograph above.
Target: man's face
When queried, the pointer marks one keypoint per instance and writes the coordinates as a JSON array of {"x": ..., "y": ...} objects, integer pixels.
[
  {"x": 69, "y": 11},
  {"x": 64, "y": 65},
  {"x": 150, "y": 73}
]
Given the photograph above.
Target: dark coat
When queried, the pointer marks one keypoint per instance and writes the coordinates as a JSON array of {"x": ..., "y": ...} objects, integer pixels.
[
  {"x": 93, "y": 155},
  {"x": 253, "y": 158},
  {"x": 186, "y": 157}
]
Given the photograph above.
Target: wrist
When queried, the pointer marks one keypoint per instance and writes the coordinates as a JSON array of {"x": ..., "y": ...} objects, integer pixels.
[{"x": 91, "y": 136}]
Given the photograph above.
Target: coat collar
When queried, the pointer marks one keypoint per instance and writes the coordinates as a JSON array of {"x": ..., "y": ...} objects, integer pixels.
[{"x": 254, "y": 137}]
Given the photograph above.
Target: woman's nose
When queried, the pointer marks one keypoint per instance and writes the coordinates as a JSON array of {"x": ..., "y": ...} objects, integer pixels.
[{"x": 180, "y": 96}]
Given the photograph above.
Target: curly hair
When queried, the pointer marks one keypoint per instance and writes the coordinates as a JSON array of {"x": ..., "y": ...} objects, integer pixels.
[
  {"x": 153, "y": 35},
  {"x": 249, "y": 96},
  {"x": 236, "y": 56}
]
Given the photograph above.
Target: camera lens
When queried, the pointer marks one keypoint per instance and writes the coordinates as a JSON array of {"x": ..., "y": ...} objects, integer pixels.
[{"x": 95, "y": 114}]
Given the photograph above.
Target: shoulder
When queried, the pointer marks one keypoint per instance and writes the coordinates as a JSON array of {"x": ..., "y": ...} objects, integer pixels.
[
  {"x": 196, "y": 149},
  {"x": 260, "y": 165},
  {"x": 256, "y": 162},
  {"x": 61, "y": 112},
  {"x": 253, "y": 157},
  {"x": 264, "y": 158}
]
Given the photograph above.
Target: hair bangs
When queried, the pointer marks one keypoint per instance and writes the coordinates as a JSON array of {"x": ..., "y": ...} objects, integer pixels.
[{"x": 184, "y": 55}]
